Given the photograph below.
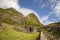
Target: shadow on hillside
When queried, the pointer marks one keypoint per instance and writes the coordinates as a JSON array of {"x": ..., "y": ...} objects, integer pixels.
[{"x": 38, "y": 38}]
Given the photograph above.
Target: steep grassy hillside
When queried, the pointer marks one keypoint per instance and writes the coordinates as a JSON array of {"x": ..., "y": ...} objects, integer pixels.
[
  {"x": 11, "y": 14},
  {"x": 10, "y": 18},
  {"x": 54, "y": 24},
  {"x": 32, "y": 19},
  {"x": 7, "y": 33},
  {"x": 54, "y": 29}
]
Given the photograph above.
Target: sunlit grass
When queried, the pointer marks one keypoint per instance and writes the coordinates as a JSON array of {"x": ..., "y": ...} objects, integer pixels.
[{"x": 10, "y": 34}]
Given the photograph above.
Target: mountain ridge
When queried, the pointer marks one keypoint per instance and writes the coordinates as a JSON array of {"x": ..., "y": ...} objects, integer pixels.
[{"x": 18, "y": 17}]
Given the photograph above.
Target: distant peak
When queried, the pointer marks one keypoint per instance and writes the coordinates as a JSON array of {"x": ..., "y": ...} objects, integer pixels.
[{"x": 32, "y": 15}]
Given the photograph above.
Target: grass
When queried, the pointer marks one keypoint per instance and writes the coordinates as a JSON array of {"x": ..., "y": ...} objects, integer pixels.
[{"x": 10, "y": 34}]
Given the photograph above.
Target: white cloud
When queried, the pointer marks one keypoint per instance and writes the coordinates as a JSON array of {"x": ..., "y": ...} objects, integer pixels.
[
  {"x": 56, "y": 10},
  {"x": 9, "y": 3},
  {"x": 43, "y": 5},
  {"x": 14, "y": 4},
  {"x": 53, "y": 0},
  {"x": 35, "y": 0},
  {"x": 55, "y": 5},
  {"x": 46, "y": 20},
  {"x": 48, "y": 3},
  {"x": 59, "y": 18},
  {"x": 26, "y": 11}
]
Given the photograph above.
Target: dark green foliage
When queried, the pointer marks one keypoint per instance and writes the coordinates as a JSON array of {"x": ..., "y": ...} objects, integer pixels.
[{"x": 38, "y": 38}]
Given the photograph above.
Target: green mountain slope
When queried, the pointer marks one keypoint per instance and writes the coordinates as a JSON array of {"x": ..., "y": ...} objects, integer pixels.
[
  {"x": 8, "y": 33},
  {"x": 54, "y": 29},
  {"x": 32, "y": 19},
  {"x": 11, "y": 16},
  {"x": 54, "y": 24}
]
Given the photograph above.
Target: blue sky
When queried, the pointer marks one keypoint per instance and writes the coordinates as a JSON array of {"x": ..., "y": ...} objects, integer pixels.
[
  {"x": 34, "y": 6},
  {"x": 48, "y": 10}
]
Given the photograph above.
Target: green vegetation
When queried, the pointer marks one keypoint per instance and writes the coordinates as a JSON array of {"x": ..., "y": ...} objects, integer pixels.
[
  {"x": 11, "y": 14},
  {"x": 10, "y": 34},
  {"x": 8, "y": 21},
  {"x": 31, "y": 19},
  {"x": 55, "y": 24},
  {"x": 11, "y": 18},
  {"x": 55, "y": 28},
  {"x": 55, "y": 31}
]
